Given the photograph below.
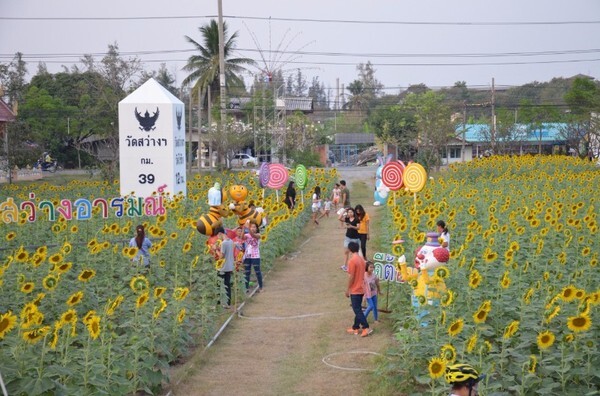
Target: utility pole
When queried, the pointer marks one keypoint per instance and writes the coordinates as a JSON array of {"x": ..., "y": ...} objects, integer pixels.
[
  {"x": 493, "y": 117},
  {"x": 223, "y": 122},
  {"x": 464, "y": 134},
  {"x": 200, "y": 151}
]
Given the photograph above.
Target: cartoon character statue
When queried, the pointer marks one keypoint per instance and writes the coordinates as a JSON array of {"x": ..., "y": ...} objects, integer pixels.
[
  {"x": 208, "y": 223},
  {"x": 244, "y": 210},
  {"x": 382, "y": 191},
  {"x": 427, "y": 286}
]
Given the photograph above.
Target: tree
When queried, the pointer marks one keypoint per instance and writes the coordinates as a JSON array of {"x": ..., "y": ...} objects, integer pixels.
[
  {"x": 300, "y": 84},
  {"x": 12, "y": 79},
  {"x": 394, "y": 125},
  {"x": 535, "y": 116},
  {"x": 359, "y": 99},
  {"x": 434, "y": 126},
  {"x": 163, "y": 76},
  {"x": 366, "y": 73},
  {"x": 583, "y": 132}
]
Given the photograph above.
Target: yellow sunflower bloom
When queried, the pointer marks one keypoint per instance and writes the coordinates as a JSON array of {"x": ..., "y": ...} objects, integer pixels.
[
  {"x": 180, "y": 293},
  {"x": 568, "y": 293},
  {"x": 545, "y": 340},
  {"x": 456, "y": 327},
  {"x": 66, "y": 248},
  {"x": 50, "y": 282},
  {"x": 68, "y": 317},
  {"x": 480, "y": 316},
  {"x": 474, "y": 279},
  {"x": 437, "y": 367},
  {"x": 139, "y": 283},
  {"x": 532, "y": 364},
  {"x": 27, "y": 287},
  {"x": 113, "y": 305},
  {"x": 579, "y": 323},
  {"x": 448, "y": 353},
  {"x": 75, "y": 298},
  {"x": 11, "y": 235},
  {"x": 93, "y": 326},
  {"x": 158, "y": 291},
  {"x": 511, "y": 329},
  {"x": 88, "y": 316},
  {"x": 86, "y": 275},
  {"x": 7, "y": 323},
  {"x": 472, "y": 343},
  {"x": 33, "y": 336},
  {"x": 142, "y": 300},
  {"x": 447, "y": 298},
  {"x": 56, "y": 258},
  {"x": 63, "y": 268},
  {"x": 181, "y": 315}
]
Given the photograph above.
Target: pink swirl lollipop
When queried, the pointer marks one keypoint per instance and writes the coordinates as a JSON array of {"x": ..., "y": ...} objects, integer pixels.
[
  {"x": 263, "y": 174},
  {"x": 392, "y": 175},
  {"x": 278, "y": 176}
]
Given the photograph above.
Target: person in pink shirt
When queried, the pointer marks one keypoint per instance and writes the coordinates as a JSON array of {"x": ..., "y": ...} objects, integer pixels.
[
  {"x": 252, "y": 255},
  {"x": 371, "y": 291}
]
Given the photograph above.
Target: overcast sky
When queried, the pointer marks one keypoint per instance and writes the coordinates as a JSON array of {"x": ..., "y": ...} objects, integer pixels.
[{"x": 435, "y": 42}]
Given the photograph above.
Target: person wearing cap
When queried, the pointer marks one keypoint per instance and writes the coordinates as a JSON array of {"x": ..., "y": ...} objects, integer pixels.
[{"x": 463, "y": 379}]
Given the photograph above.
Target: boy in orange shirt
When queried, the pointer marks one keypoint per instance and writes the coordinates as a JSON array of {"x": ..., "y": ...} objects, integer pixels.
[{"x": 356, "y": 290}]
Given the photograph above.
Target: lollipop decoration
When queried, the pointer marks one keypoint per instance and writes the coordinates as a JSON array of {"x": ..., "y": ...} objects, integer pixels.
[
  {"x": 415, "y": 177},
  {"x": 301, "y": 177},
  {"x": 392, "y": 175},
  {"x": 278, "y": 175},
  {"x": 263, "y": 174}
]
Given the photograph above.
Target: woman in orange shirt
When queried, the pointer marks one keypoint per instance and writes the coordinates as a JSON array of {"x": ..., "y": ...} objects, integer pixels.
[{"x": 363, "y": 228}]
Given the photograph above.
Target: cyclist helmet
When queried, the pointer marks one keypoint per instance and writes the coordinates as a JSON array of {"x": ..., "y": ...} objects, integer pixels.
[{"x": 458, "y": 373}]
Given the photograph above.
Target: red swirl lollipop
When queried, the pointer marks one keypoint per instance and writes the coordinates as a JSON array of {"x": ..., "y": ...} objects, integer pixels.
[
  {"x": 278, "y": 176},
  {"x": 391, "y": 175},
  {"x": 263, "y": 174}
]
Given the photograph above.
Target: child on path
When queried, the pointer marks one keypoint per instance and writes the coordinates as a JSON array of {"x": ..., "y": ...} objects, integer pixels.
[
  {"x": 372, "y": 290},
  {"x": 252, "y": 255},
  {"x": 326, "y": 208},
  {"x": 316, "y": 204},
  {"x": 342, "y": 213},
  {"x": 335, "y": 196}
]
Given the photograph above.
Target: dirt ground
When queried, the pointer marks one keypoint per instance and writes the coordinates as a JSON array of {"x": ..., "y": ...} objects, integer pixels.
[{"x": 291, "y": 338}]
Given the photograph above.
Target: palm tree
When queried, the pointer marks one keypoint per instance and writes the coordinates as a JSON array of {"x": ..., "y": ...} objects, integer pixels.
[
  {"x": 204, "y": 67},
  {"x": 358, "y": 100}
]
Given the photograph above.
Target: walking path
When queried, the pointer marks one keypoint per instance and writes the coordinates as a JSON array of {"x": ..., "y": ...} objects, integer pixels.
[{"x": 291, "y": 339}]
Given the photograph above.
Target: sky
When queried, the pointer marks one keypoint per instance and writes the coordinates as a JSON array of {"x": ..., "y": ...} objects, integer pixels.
[{"x": 434, "y": 42}]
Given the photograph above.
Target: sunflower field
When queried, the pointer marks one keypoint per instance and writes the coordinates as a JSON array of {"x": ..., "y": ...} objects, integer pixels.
[
  {"x": 77, "y": 316},
  {"x": 523, "y": 282}
]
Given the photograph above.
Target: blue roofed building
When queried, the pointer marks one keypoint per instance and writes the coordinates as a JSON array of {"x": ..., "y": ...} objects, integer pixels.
[{"x": 474, "y": 140}]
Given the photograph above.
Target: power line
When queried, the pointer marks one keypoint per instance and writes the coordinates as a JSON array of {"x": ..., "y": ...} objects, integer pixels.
[{"x": 312, "y": 20}]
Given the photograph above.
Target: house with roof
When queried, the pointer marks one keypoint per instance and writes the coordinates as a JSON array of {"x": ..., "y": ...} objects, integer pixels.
[{"x": 474, "y": 140}]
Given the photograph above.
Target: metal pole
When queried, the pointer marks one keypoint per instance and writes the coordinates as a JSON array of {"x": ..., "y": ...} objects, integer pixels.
[{"x": 223, "y": 121}]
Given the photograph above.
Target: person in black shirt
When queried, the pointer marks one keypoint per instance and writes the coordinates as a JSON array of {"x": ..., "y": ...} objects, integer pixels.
[{"x": 351, "y": 223}]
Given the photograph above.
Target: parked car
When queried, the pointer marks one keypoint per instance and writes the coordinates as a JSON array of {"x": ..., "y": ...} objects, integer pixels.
[{"x": 242, "y": 160}]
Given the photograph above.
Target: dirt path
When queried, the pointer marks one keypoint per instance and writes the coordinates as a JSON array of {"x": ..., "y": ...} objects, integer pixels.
[{"x": 284, "y": 337}]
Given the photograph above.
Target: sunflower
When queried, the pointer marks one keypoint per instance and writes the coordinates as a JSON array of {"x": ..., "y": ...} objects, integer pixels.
[
  {"x": 86, "y": 275},
  {"x": 22, "y": 256},
  {"x": 545, "y": 339},
  {"x": 139, "y": 283},
  {"x": 158, "y": 291},
  {"x": 33, "y": 336},
  {"x": 129, "y": 252},
  {"x": 75, "y": 298},
  {"x": 472, "y": 343},
  {"x": 7, "y": 323},
  {"x": 186, "y": 247},
  {"x": 50, "y": 282},
  {"x": 27, "y": 287},
  {"x": 447, "y": 298},
  {"x": 11, "y": 235},
  {"x": 160, "y": 309},
  {"x": 93, "y": 326},
  {"x": 180, "y": 293},
  {"x": 448, "y": 353},
  {"x": 480, "y": 316},
  {"x": 456, "y": 327},
  {"x": 56, "y": 259},
  {"x": 88, "y": 316},
  {"x": 66, "y": 248},
  {"x": 474, "y": 279},
  {"x": 532, "y": 364},
  {"x": 511, "y": 329},
  {"x": 74, "y": 229},
  {"x": 568, "y": 293},
  {"x": 142, "y": 299},
  {"x": 67, "y": 317},
  {"x": 437, "y": 367},
  {"x": 113, "y": 305},
  {"x": 579, "y": 323},
  {"x": 579, "y": 294},
  {"x": 63, "y": 268},
  {"x": 505, "y": 282},
  {"x": 568, "y": 337},
  {"x": 442, "y": 272},
  {"x": 528, "y": 295}
]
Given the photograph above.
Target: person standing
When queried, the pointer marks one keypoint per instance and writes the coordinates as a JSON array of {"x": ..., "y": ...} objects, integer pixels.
[
  {"x": 252, "y": 255},
  {"x": 316, "y": 204},
  {"x": 463, "y": 379},
  {"x": 345, "y": 194},
  {"x": 372, "y": 290},
  {"x": 227, "y": 253},
  {"x": 290, "y": 196},
  {"x": 351, "y": 223},
  {"x": 356, "y": 291},
  {"x": 363, "y": 228},
  {"x": 143, "y": 244},
  {"x": 444, "y": 234},
  {"x": 335, "y": 196}
]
